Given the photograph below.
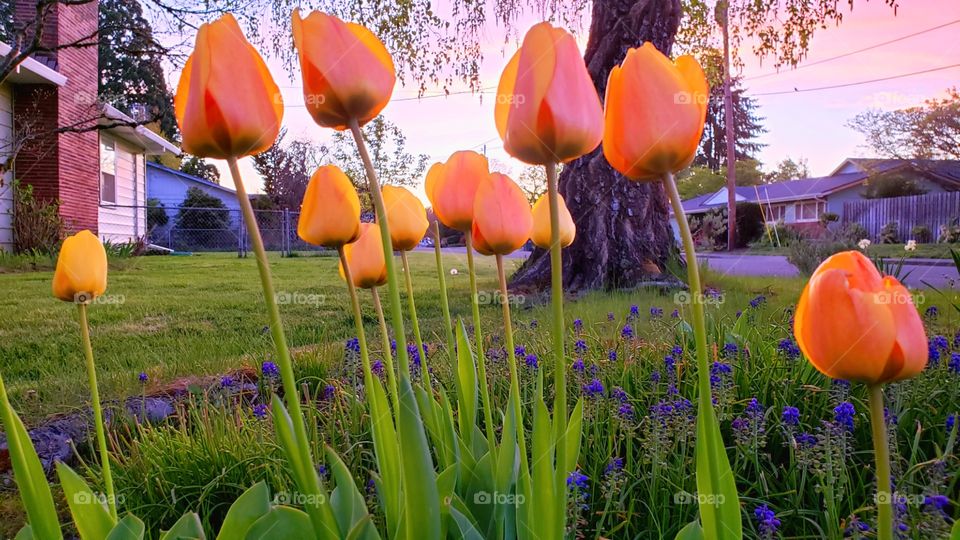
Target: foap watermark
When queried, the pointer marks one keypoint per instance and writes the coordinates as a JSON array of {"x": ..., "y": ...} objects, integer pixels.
[
  {"x": 299, "y": 298},
  {"x": 496, "y": 298},
  {"x": 511, "y": 99},
  {"x": 686, "y": 298},
  {"x": 899, "y": 297},
  {"x": 690, "y": 98},
  {"x": 295, "y": 498},
  {"x": 685, "y": 497},
  {"x": 103, "y": 299},
  {"x": 485, "y": 497},
  {"x": 88, "y": 497}
]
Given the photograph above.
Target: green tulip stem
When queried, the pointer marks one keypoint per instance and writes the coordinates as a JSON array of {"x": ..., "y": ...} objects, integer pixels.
[
  {"x": 320, "y": 513},
  {"x": 97, "y": 410},
  {"x": 512, "y": 362},
  {"x": 881, "y": 450},
  {"x": 393, "y": 287},
  {"x": 387, "y": 352},
  {"x": 417, "y": 339},
  {"x": 478, "y": 336},
  {"x": 559, "y": 365},
  {"x": 705, "y": 402},
  {"x": 441, "y": 278},
  {"x": 357, "y": 319}
]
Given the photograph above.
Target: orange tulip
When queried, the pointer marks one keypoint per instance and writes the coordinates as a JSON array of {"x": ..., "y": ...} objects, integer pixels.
[
  {"x": 227, "y": 104},
  {"x": 81, "y": 273},
  {"x": 654, "y": 113},
  {"x": 852, "y": 323},
  {"x": 365, "y": 257},
  {"x": 452, "y": 186},
  {"x": 347, "y": 72},
  {"x": 547, "y": 108},
  {"x": 502, "y": 217},
  {"x": 406, "y": 216},
  {"x": 330, "y": 213},
  {"x": 540, "y": 233}
]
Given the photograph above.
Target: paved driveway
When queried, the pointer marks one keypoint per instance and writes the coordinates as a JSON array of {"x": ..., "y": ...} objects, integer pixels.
[{"x": 934, "y": 272}]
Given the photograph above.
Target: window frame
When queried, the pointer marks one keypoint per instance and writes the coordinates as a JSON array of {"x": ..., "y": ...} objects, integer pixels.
[{"x": 107, "y": 145}]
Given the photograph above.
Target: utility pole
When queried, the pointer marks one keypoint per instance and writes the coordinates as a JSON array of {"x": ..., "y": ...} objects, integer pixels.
[{"x": 722, "y": 16}]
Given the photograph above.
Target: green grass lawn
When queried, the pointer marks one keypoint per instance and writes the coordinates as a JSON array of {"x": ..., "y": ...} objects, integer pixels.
[
  {"x": 895, "y": 251},
  {"x": 202, "y": 315}
]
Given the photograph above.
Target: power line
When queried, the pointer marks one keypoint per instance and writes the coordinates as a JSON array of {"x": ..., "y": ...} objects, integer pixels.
[
  {"x": 851, "y": 53},
  {"x": 858, "y": 83}
]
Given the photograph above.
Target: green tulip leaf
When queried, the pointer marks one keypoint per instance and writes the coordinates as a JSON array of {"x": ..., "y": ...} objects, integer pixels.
[
  {"x": 466, "y": 381},
  {"x": 716, "y": 487},
  {"x": 90, "y": 515},
  {"x": 573, "y": 436},
  {"x": 130, "y": 527},
  {"x": 25, "y": 533},
  {"x": 348, "y": 505},
  {"x": 253, "y": 504},
  {"x": 692, "y": 531},
  {"x": 422, "y": 502},
  {"x": 281, "y": 523},
  {"x": 188, "y": 527},
  {"x": 28, "y": 474}
]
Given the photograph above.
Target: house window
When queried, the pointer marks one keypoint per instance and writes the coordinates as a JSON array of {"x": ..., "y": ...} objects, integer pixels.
[
  {"x": 776, "y": 212},
  {"x": 810, "y": 210},
  {"x": 108, "y": 172}
]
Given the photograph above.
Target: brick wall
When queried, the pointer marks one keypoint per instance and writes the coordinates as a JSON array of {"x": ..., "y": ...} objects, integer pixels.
[{"x": 65, "y": 166}]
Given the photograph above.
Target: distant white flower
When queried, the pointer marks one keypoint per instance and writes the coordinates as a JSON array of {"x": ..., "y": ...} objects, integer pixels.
[
  {"x": 454, "y": 271},
  {"x": 864, "y": 244},
  {"x": 911, "y": 245}
]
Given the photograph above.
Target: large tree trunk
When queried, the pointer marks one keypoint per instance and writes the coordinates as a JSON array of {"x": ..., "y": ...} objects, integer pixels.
[{"x": 623, "y": 233}]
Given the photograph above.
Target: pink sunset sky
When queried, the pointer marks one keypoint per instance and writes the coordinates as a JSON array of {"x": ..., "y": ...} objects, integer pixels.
[{"x": 806, "y": 124}]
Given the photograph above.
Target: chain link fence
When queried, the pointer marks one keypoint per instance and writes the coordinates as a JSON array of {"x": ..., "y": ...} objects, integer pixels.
[{"x": 196, "y": 229}]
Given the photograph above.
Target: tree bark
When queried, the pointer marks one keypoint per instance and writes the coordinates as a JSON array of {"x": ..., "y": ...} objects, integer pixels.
[{"x": 623, "y": 231}]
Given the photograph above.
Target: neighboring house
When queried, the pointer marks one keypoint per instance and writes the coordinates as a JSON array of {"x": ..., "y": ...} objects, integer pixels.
[
  {"x": 68, "y": 145},
  {"x": 801, "y": 203},
  {"x": 169, "y": 187}
]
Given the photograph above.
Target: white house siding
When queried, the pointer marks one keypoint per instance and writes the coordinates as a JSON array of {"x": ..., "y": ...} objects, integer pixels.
[
  {"x": 6, "y": 182},
  {"x": 126, "y": 220}
]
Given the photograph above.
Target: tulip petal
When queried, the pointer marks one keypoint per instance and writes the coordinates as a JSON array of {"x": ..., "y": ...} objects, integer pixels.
[
  {"x": 910, "y": 354},
  {"x": 501, "y": 214},
  {"x": 330, "y": 213},
  {"x": 505, "y": 94},
  {"x": 576, "y": 116}
]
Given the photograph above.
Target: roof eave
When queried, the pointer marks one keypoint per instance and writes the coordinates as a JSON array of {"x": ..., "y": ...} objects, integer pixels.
[{"x": 31, "y": 71}]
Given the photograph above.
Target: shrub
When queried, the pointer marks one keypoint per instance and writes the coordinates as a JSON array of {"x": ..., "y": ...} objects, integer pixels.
[
  {"x": 37, "y": 225},
  {"x": 922, "y": 234},
  {"x": 950, "y": 233},
  {"x": 890, "y": 233},
  {"x": 853, "y": 233},
  {"x": 807, "y": 254},
  {"x": 829, "y": 217},
  {"x": 749, "y": 223},
  {"x": 156, "y": 214},
  {"x": 777, "y": 235},
  {"x": 201, "y": 218}
]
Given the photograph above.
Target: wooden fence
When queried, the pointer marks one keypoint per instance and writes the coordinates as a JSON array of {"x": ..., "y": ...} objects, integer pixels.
[{"x": 931, "y": 210}]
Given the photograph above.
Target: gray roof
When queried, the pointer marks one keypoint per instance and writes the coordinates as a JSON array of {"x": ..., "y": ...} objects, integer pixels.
[
  {"x": 943, "y": 170},
  {"x": 792, "y": 190}
]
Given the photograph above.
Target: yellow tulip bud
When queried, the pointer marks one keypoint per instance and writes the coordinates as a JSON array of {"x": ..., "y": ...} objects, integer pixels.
[
  {"x": 330, "y": 214},
  {"x": 541, "y": 223},
  {"x": 406, "y": 216},
  {"x": 365, "y": 258},
  {"x": 81, "y": 273}
]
